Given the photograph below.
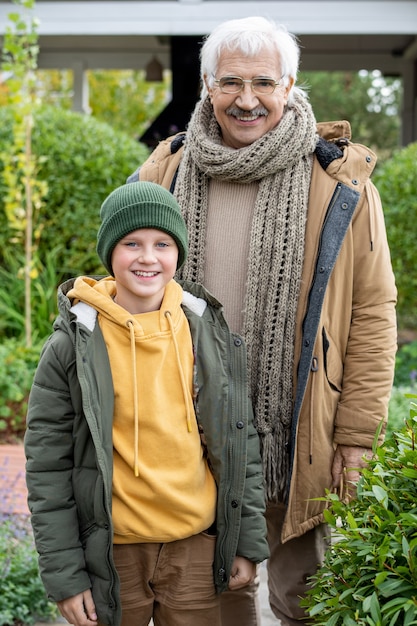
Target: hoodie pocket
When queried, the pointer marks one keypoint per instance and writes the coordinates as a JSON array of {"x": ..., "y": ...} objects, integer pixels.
[{"x": 333, "y": 364}]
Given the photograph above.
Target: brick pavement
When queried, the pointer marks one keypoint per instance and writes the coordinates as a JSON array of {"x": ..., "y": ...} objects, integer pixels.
[{"x": 13, "y": 491}]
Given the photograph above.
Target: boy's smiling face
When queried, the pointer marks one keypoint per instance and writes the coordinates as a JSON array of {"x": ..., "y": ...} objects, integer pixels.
[{"x": 143, "y": 263}]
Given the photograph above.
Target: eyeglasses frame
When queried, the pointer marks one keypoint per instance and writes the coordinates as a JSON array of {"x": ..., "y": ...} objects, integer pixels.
[{"x": 249, "y": 80}]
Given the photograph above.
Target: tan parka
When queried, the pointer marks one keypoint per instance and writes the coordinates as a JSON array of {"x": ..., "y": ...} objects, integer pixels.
[{"x": 346, "y": 339}]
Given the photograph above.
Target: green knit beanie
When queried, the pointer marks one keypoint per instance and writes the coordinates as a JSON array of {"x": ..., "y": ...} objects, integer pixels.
[{"x": 139, "y": 205}]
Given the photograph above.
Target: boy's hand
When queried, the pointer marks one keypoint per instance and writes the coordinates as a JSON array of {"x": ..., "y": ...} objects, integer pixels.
[
  {"x": 79, "y": 610},
  {"x": 243, "y": 573}
]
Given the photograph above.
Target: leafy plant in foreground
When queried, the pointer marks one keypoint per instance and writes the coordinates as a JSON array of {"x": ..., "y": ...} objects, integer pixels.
[
  {"x": 22, "y": 597},
  {"x": 369, "y": 576}
]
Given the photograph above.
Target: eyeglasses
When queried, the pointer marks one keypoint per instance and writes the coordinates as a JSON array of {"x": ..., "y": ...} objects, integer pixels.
[{"x": 235, "y": 84}]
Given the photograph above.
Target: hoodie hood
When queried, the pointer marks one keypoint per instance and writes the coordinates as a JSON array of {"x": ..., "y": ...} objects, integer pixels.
[{"x": 100, "y": 295}]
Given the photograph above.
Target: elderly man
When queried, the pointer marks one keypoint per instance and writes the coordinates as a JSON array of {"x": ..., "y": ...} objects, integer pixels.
[{"x": 287, "y": 231}]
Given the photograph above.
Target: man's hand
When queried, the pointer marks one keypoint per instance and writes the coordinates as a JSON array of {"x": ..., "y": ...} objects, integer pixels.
[
  {"x": 346, "y": 461},
  {"x": 79, "y": 610},
  {"x": 242, "y": 573}
]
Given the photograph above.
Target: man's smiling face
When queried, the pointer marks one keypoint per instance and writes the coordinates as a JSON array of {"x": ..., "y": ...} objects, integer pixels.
[{"x": 246, "y": 116}]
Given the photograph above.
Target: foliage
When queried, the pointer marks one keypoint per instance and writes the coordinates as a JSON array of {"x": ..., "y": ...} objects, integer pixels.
[
  {"x": 398, "y": 408},
  {"x": 16, "y": 375},
  {"x": 19, "y": 361},
  {"x": 369, "y": 101},
  {"x": 369, "y": 576},
  {"x": 86, "y": 160},
  {"x": 24, "y": 189},
  {"x": 22, "y": 598},
  {"x": 125, "y": 100},
  {"x": 43, "y": 294},
  {"x": 406, "y": 365},
  {"x": 55, "y": 88},
  {"x": 405, "y": 382},
  {"x": 396, "y": 181}
]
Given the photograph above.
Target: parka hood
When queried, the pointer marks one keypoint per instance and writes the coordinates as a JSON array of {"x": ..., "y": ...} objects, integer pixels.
[{"x": 349, "y": 163}]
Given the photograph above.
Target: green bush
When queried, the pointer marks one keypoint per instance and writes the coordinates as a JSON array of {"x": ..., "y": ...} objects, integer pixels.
[
  {"x": 396, "y": 181},
  {"x": 16, "y": 376},
  {"x": 397, "y": 409},
  {"x": 22, "y": 598},
  {"x": 369, "y": 576},
  {"x": 406, "y": 365},
  {"x": 43, "y": 296},
  {"x": 405, "y": 382},
  {"x": 84, "y": 161}
]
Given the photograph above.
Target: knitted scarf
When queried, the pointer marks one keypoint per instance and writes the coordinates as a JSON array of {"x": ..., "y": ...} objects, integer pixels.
[{"x": 281, "y": 161}]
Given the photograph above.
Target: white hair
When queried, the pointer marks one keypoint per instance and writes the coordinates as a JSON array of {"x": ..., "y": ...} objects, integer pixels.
[{"x": 250, "y": 36}]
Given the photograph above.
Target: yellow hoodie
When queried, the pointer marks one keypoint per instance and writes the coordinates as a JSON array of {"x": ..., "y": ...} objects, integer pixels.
[{"x": 163, "y": 489}]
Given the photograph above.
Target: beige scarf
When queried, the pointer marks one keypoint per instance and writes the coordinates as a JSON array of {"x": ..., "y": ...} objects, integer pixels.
[{"x": 281, "y": 160}]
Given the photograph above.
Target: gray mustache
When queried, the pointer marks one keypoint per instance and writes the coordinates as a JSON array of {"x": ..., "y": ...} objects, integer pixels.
[{"x": 238, "y": 112}]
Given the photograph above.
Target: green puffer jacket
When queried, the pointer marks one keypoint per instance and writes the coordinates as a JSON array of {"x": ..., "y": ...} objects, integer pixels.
[{"x": 69, "y": 451}]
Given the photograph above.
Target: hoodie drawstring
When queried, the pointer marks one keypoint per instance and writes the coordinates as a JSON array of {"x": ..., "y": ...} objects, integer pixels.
[
  {"x": 130, "y": 325},
  {"x": 182, "y": 377}
]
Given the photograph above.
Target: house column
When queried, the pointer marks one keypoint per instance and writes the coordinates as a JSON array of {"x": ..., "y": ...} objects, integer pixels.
[{"x": 80, "y": 100}]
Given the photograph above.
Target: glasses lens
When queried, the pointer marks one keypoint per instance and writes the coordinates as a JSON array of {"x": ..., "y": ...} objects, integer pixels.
[
  {"x": 263, "y": 85},
  {"x": 230, "y": 84}
]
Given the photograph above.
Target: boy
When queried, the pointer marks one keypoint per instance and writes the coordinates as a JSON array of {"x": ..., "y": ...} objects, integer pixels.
[{"x": 143, "y": 466}]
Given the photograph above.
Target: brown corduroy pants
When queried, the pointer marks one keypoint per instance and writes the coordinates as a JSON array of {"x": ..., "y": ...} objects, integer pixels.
[{"x": 171, "y": 583}]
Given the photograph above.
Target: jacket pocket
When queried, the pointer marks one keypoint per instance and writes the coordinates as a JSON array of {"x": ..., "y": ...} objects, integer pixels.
[
  {"x": 86, "y": 532},
  {"x": 333, "y": 364}
]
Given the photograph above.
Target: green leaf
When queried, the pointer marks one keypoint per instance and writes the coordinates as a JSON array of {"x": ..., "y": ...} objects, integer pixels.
[
  {"x": 380, "y": 577},
  {"x": 380, "y": 494},
  {"x": 406, "y": 548},
  {"x": 375, "y": 608},
  {"x": 351, "y": 520}
]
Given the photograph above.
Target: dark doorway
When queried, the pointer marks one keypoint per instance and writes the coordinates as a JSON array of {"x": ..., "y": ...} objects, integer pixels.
[{"x": 185, "y": 66}]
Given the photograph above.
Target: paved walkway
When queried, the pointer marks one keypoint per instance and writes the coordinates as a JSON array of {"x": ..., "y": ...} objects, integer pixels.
[
  {"x": 13, "y": 496},
  {"x": 13, "y": 492}
]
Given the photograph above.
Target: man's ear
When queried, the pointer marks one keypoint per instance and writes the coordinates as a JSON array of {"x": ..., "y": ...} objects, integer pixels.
[
  {"x": 288, "y": 89},
  {"x": 209, "y": 89}
]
